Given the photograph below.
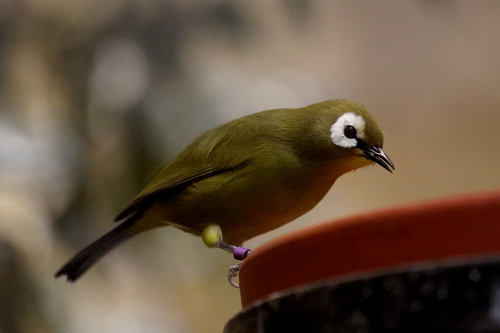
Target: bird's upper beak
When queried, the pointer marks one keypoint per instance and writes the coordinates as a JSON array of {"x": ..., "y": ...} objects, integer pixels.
[{"x": 377, "y": 155}]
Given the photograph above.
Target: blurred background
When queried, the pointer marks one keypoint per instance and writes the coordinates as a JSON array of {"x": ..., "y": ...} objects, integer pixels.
[{"x": 96, "y": 96}]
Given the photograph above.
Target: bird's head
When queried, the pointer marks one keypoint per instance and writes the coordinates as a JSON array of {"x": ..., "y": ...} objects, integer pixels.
[{"x": 354, "y": 135}]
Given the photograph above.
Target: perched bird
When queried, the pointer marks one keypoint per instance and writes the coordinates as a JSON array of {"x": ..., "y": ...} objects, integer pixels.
[{"x": 249, "y": 176}]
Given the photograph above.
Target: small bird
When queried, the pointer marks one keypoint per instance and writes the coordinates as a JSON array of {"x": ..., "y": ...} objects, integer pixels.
[{"x": 249, "y": 176}]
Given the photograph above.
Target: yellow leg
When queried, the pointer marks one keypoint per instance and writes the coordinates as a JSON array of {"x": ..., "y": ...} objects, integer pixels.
[{"x": 211, "y": 235}]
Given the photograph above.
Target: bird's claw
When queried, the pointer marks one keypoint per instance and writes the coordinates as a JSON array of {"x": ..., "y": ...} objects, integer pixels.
[
  {"x": 239, "y": 253},
  {"x": 212, "y": 237},
  {"x": 232, "y": 273}
]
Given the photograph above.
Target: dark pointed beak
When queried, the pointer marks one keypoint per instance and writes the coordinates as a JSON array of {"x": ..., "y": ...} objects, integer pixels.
[{"x": 377, "y": 155}]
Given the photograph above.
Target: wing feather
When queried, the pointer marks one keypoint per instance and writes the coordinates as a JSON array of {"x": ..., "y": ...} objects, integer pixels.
[{"x": 213, "y": 153}]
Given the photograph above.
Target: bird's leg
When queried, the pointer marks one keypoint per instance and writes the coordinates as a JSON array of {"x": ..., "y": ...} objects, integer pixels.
[
  {"x": 212, "y": 237},
  {"x": 239, "y": 253}
]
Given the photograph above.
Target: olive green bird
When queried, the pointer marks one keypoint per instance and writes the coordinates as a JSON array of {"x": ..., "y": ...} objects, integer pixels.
[{"x": 249, "y": 176}]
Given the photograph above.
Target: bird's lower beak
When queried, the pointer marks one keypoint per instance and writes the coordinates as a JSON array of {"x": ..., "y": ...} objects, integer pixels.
[{"x": 377, "y": 155}]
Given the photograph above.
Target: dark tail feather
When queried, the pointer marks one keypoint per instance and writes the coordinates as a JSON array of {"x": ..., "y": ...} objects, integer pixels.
[{"x": 84, "y": 259}]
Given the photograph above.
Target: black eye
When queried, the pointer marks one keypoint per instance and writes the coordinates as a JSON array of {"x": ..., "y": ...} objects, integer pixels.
[{"x": 350, "y": 132}]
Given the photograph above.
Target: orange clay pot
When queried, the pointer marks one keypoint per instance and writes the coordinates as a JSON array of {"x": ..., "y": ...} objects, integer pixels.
[{"x": 460, "y": 228}]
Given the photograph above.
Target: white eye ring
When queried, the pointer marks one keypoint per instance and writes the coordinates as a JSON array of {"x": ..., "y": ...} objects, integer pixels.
[{"x": 337, "y": 130}]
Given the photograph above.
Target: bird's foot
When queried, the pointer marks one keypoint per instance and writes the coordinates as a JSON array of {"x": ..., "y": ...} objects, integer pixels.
[
  {"x": 232, "y": 273},
  {"x": 239, "y": 253},
  {"x": 212, "y": 237}
]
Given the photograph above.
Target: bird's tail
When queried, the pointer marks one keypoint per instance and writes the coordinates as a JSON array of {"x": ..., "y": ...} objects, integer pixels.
[{"x": 84, "y": 259}]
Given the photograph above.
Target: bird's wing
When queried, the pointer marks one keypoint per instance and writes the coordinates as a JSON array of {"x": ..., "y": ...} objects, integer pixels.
[
  {"x": 227, "y": 148},
  {"x": 169, "y": 182},
  {"x": 206, "y": 157}
]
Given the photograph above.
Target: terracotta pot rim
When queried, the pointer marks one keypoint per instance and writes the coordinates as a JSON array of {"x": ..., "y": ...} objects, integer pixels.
[{"x": 436, "y": 230}]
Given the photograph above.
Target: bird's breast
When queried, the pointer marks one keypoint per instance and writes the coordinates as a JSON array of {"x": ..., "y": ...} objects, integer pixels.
[{"x": 251, "y": 201}]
